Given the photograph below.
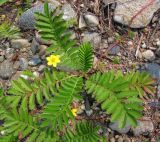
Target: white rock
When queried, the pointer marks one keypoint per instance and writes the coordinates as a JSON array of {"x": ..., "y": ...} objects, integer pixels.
[
  {"x": 91, "y": 20},
  {"x": 82, "y": 23},
  {"x": 127, "y": 9},
  {"x": 158, "y": 43},
  {"x": 148, "y": 55},
  {"x": 143, "y": 45},
  {"x": 69, "y": 12}
]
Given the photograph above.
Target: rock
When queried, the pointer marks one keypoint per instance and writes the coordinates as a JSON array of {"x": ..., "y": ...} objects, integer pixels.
[
  {"x": 42, "y": 41},
  {"x": 158, "y": 42},
  {"x": 35, "y": 61},
  {"x": 42, "y": 50},
  {"x": 1, "y": 58},
  {"x": 35, "y": 47},
  {"x": 114, "y": 126},
  {"x": 114, "y": 50},
  {"x": 36, "y": 74},
  {"x": 112, "y": 139},
  {"x": 6, "y": 69},
  {"x": 92, "y": 37},
  {"x": 69, "y": 12},
  {"x": 127, "y": 9},
  {"x": 148, "y": 55},
  {"x": 41, "y": 68},
  {"x": 110, "y": 40},
  {"x": 143, "y": 127},
  {"x": 144, "y": 45},
  {"x": 19, "y": 43},
  {"x": 27, "y": 20},
  {"x": 82, "y": 23},
  {"x": 9, "y": 53},
  {"x": 23, "y": 63},
  {"x": 91, "y": 20},
  {"x": 158, "y": 52},
  {"x": 89, "y": 112},
  {"x": 106, "y": 2},
  {"x": 153, "y": 69}
]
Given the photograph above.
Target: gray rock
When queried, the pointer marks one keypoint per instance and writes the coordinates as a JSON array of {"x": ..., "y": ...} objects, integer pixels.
[
  {"x": 148, "y": 55},
  {"x": 92, "y": 37},
  {"x": 19, "y": 43},
  {"x": 9, "y": 53},
  {"x": 41, "y": 68},
  {"x": 127, "y": 9},
  {"x": 1, "y": 58},
  {"x": 35, "y": 61},
  {"x": 35, "y": 47},
  {"x": 6, "y": 69},
  {"x": 143, "y": 128},
  {"x": 144, "y": 45},
  {"x": 110, "y": 40},
  {"x": 27, "y": 20},
  {"x": 89, "y": 112},
  {"x": 23, "y": 63},
  {"x": 158, "y": 52},
  {"x": 114, "y": 50},
  {"x": 153, "y": 69},
  {"x": 91, "y": 20},
  {"x": 114, "y": 126},
  {"x": 69, "y": 12},
  {"x": 106, "y": 2}
]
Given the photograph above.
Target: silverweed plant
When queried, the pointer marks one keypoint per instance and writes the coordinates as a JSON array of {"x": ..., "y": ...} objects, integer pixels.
[{"x": 40, "y": 109}]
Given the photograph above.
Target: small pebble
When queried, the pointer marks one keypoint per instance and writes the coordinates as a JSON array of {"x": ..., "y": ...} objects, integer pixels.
[
  {"x": 144, "y": 45},
  {"x": 89, "y": 112},
  {"x": 36, "y": 74},
  {"x": 35, "y": 61},
  {"x": 23, "y": 63},
  {"x": 91, "y": 20},
  {"x": 1, "y": 58},
  {"x": 24, "y": 76},
  {"x": 41, "y": 68},
  {"x": 35, "y": 47},
  {"x": 110, "y": 40},
  {"x": 148, "y": 55}
]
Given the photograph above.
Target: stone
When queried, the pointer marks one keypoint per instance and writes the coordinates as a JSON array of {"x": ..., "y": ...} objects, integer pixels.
[
  {"x": 9, "y": 53},
  {"x": 68, "y": 12},
  {"x": 158, "y": 52},
  {"x": 114, "y": 50},
  {"x": 42, "y": 41},
  {"x": 143, "y": 9},
  {"x": 35, "y": 61},
  {"x": 89, "y": 112},
  {"x": 42, "y": 50},
  {"x": 6, "y": 69},
  {"x": 41, "y": 68},
  {"x": 110, "y": 40},
  {"x": 82, "y": 23},
  {"x": 1, "y": 58},
  {"x": 153, "y": 69},
  {"x": 148, "y": 55},
  {"x": 27, "y": 20},
  {"x": 144, "y": 45},
  {"x": 19, "y": 43},
  {"x": 106, "y": 2},
  {"x": 23, "y": 63},
  {"x": 35, "y": 47},
  {"x": 92, "y": 37},
  {"x": 143, "y": 127},
  {"x": 114, "y": 126},
  {"x": 158, "y": 43},
  {"x": 91, "y": 20}
]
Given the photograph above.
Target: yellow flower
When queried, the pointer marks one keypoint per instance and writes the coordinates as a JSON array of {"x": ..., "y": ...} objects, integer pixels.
[
  {"x": 74, "y": 110},
  {"x": 53, "y": 60}
]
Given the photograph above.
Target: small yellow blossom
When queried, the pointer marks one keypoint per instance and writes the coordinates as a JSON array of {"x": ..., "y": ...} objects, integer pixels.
[
  {"x": 74, "y": 110},
  {"x": 53, "y": 60}
]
